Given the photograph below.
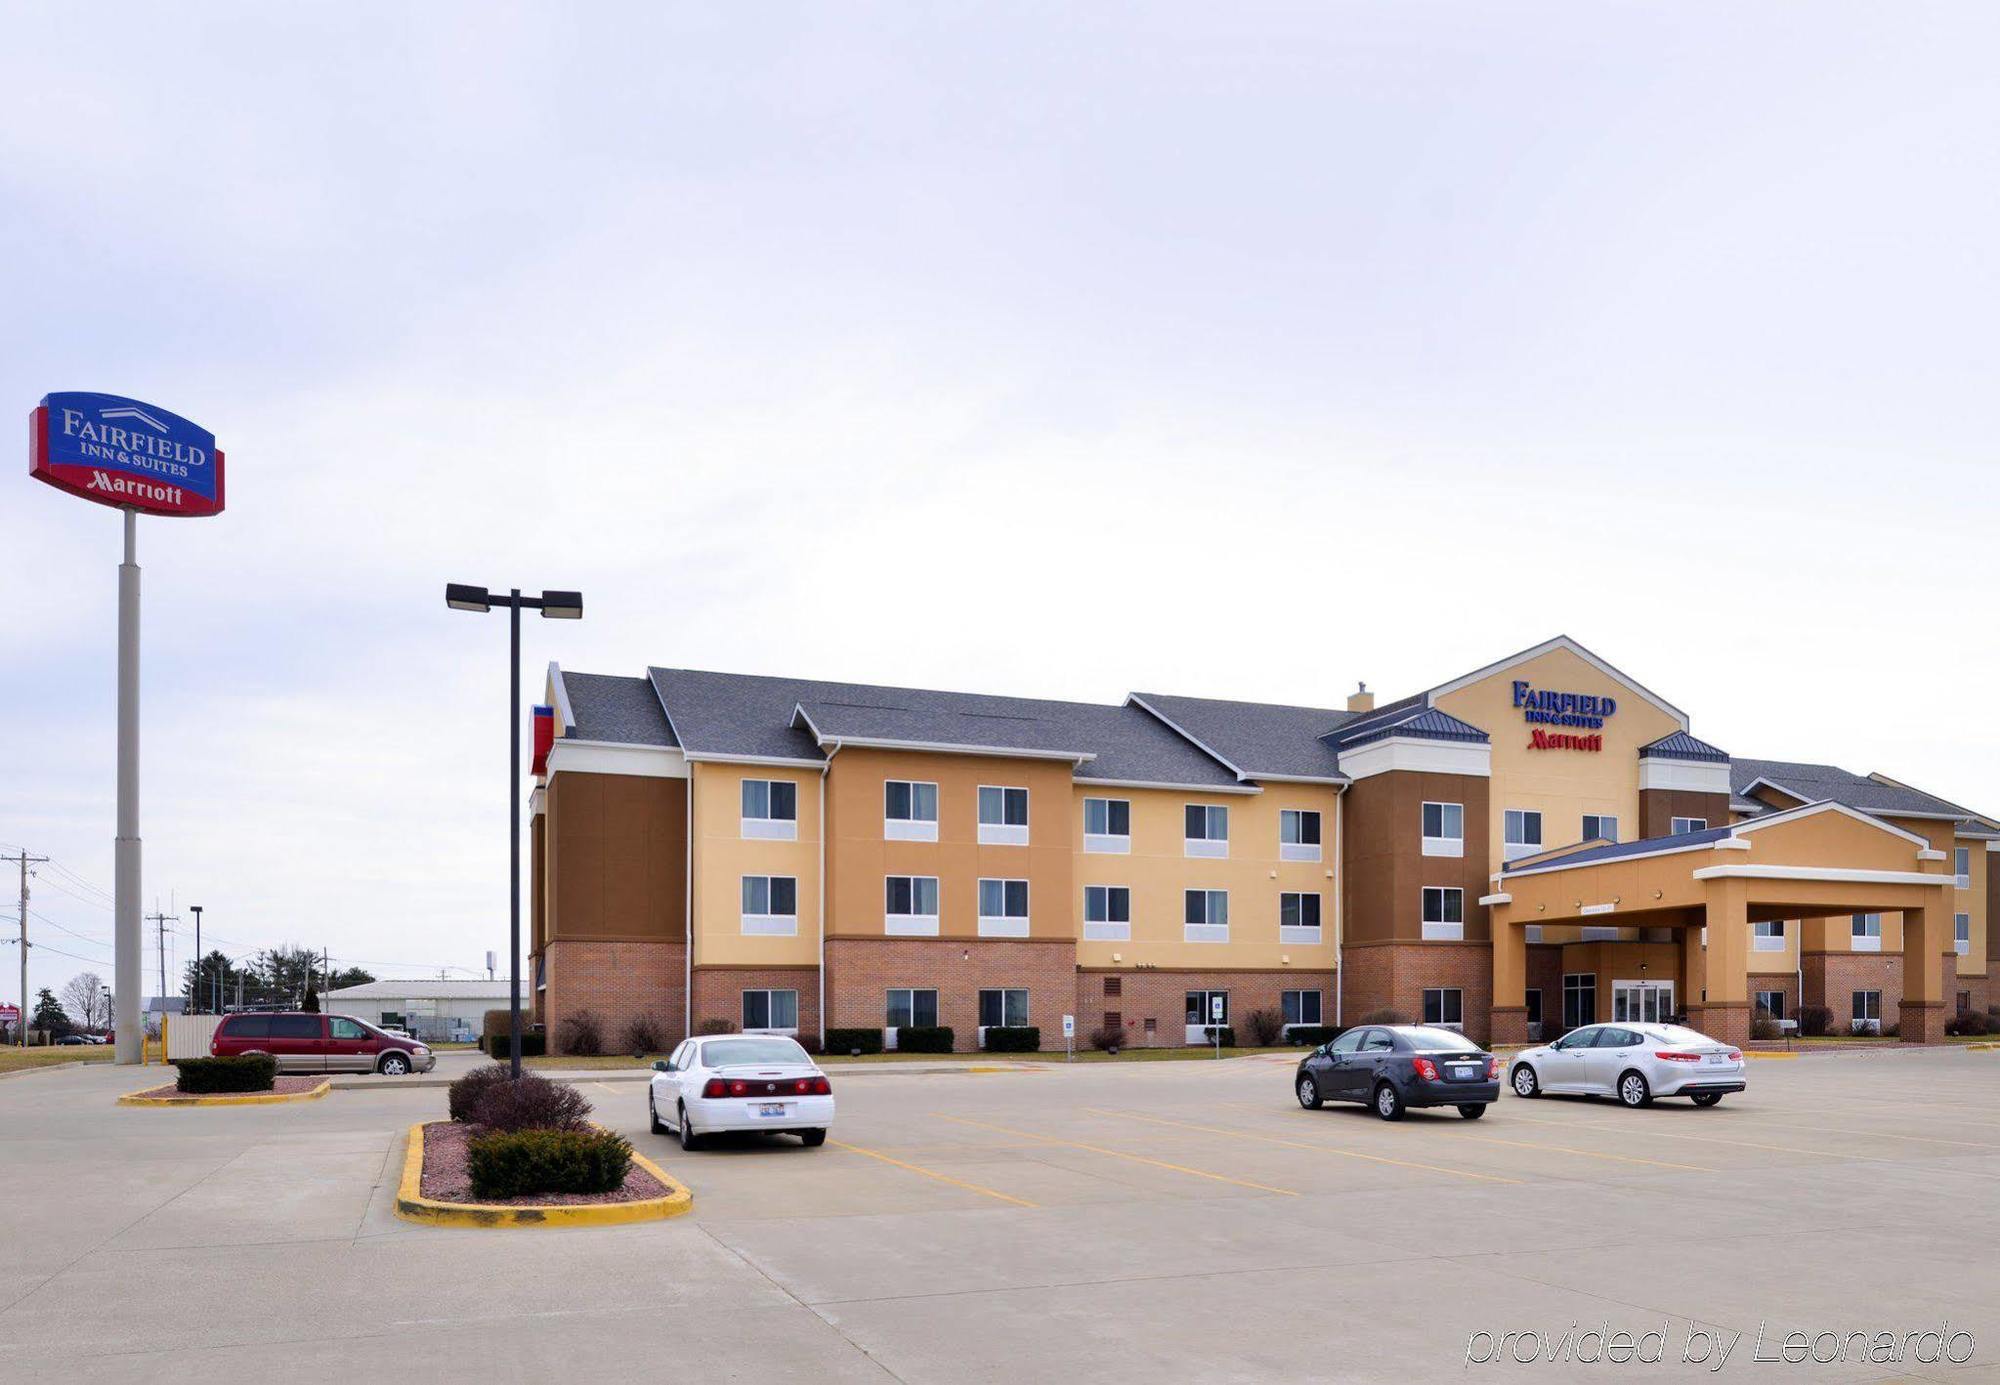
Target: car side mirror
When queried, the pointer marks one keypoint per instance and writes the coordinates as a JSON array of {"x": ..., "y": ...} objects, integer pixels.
[{"x": 662, "y": 1065}]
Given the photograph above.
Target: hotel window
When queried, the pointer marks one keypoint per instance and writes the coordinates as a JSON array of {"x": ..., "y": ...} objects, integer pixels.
[
  {"x": 1866, "y": 934},
  {"x": 771, "y": 809},
  {"x": 1298, "y": 834},
  {"x": 1596, "y": 825},
  {"x": 1207, "y": 830},
  {"x": 1867, "y": 1011},
  {"x": 1444, "y": 829},
  {"x": 1298, "y": 918},
  {"x": 910, "y": 906},
  {"x": 1003, "y": 1008},
  {"x": 1444, "y": 1005},
  {"x": 1003, "y": 816},
  {"x": 1107, "y": 825},
  {"x": 771, "y": 905},
  {"x": 1207, "y": 917},
  {"x": 1201, "y": 1009},
  {"x": 1961, "y": 865},
  {"x": 1003, "y": 908},
  {"x": 1523, "y": 833},
  {"x": 1771, "y": 1003},
  {"x": 1767, "y": 937},
  {"x": 771, "y": 1010},
  {"x": 1107, "y": 914},
  {"x": 1961, "y": 933},
  {"x": 1444, "y": 912},
  {"x": 1579, "y": 999},
  {"x": 909, "y": 811},
  {"x": 1680, "y": 827},
  {"x": 1301, "y": 1007},
  {"x": 912, "y": 1009}
]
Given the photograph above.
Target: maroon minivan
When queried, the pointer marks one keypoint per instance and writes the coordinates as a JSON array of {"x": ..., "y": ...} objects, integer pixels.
[{"x": 304, "y": 1042}]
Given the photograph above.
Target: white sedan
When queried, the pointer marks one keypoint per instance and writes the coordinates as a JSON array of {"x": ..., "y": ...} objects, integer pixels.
[
  {"x": 740, "y": 1082},
  {"x": 1633, "y": 1062}
]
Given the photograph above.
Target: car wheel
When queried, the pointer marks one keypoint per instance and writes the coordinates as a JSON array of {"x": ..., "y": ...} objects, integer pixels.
[
  {"x": 689, "y": 1140},
  {"x": 653, "y": 1111},
  {"x": 1633, "y": 1091},
  {"x": 1472, "y": 1110},
  {"x": 395, "y": 1065},
  {"x": 1707, "y": 1098},
  {"x": 1308, "y": 1092},
  {"x": 1525, "y": 1081},
  {"x": 813, "y": 1138},
  {"x": 1388, "y": 1102}
]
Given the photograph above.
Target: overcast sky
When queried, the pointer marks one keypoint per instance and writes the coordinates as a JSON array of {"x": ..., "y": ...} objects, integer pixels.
[{"x": 1053, "y": 350}]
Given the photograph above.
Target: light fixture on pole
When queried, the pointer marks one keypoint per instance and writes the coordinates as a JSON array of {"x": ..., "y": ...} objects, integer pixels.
[{"x": 554, "y": 605}]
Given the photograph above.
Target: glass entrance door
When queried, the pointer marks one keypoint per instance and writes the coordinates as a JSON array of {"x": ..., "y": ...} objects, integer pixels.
[{"x": 1642, "y": 1002}]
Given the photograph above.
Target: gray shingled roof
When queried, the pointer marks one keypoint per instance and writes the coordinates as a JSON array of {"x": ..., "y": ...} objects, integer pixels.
[
  {"x": 1679, "y": 745},
  {"x": 742, "y": 714},
  {"x": 1262, "y": 740},
  {"x": 1814, "y": 782},
  {"x": 1418, "y": 721},
  {"x": 609, "y": 708},
  {"x": 1614, "y": 850}
]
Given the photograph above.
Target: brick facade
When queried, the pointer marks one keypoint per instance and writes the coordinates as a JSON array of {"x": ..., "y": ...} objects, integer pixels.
[
  {"x": 718, "y": 992},
  {"x": 615, "y": 980},
  {"x": 1832, "y": 978},
  {"x": 1394, "y": 976},
  {"x": 861, "y": 971},
  {"x": 1151, "y": 1003}
]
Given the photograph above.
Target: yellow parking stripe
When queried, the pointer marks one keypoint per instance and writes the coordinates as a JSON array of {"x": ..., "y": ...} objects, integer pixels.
[
  {"x": 1121, "y": 1154},
  {"x": 1552, "y": 1149},
  {"x": 1649, "y": 1132},
  {"x": 1314, "y": 1146},
  {"x": 932, "y": 1173},
  {"x": 1987, "y": 1145}
]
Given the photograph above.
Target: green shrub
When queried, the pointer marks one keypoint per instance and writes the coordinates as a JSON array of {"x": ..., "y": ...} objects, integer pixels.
[
  {"x": 251, "y": 1072},
  {"x": 1105, "y": 1038},
  {"x": 522, "y": 1163},
  {"x": 1228, "y": 1032},
  {"x": 1763, "y": 1026},
  {"x": 932, "y": 1038},
  {"x": 1265, "y": 1026},
  {"x": 1024, "y": 1038},
  {"x": 646, "y": 1034},
  {"x": 808, "y": 1042},
  {"x": 1386, "y": 1015},
  {"x": 1313, "y": 1035},
  {"x": 531, "y": 1103},
  {"x": 1815, "y": 1021},
  {"x": 534, "y": 1043},
  {"x": 716, "y": 1026},
  {"x": 853, "y": 1041},
  {"x": 580, "y": 1032},
  {"x": 1971, "y": 1022},
  {"x": 468, "y": 1091}
]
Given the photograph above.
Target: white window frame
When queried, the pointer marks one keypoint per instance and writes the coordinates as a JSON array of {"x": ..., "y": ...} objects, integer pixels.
[
  {"x": 1208, "y": 930},
  {"x": 979, "y": 1007},
  {"x": 1442, "y": 845},
  {"x": 768, "y": 828},
  {"x": 1107, "y": 843},
  {"x": 1763, "y": 939},
  {"x": 1301, "y": 933},
  {"x": 1514, "y": 833},
  {"x": 1864, "y": 933},
  {"x": 1681, "y": 827},
  {"x": 1003, "y": 832},
  {"x": 1872, "y": 1022},
  {"x": 912, "y": 925},
  {"x": 1442, "y": 929},
  {"x": 1961, "y": 866},
  {"x": 770, "y": 995},
  {"x": 1210, "y": 846},
  {"x": 1004, "y": 924},
  {"x": 1300, "y": 851},
  {"x": 1768, "y": 1002},
  {"x": 1600, "y": 819},
  {"x": 910, "y": 829},
  {"x": 1297, "y": 1000},
  {"x": 767, "y": 924},
  {"x": 1961, "y": 934},
  {"x": 1455, "y": 995},
  {"x": 1107, "y": 929},
  {"x": 888, "y": 1007}
]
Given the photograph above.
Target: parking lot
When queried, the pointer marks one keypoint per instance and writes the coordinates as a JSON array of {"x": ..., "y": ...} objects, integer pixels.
[{"x": 1110, "y": 1221}]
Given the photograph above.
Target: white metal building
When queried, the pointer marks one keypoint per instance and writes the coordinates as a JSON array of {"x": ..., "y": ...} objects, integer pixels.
[{"x": 428, "y": 1008}]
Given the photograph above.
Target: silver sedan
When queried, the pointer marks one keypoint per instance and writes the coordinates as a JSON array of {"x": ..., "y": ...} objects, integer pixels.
[{"x": 1633, "y": 1062}]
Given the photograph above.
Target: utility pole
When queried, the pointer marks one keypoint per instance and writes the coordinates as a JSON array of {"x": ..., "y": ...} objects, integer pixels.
[
  {"x": 161, "y": 921},
  {"x": 25, "y": 860}
]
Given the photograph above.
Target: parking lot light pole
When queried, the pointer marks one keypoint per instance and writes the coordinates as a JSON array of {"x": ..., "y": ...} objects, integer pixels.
[
  {"x": 194, "y": 988},
  {"x": 553, "y": 605}
]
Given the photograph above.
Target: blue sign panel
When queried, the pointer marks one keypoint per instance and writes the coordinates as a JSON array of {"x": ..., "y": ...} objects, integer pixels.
[{"x": 126, "y": 453}]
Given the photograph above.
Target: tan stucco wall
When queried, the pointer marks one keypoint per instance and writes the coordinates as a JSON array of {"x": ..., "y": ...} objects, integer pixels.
[{"x": 723, "y": 856}]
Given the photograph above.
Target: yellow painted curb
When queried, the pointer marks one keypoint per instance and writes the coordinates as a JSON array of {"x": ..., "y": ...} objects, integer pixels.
[
  {"x": 412, "y": 1205},
  {"x": 225, "y": 1099},
  {"x": 1752, "y": 1053},
  {"x": 1982, "y": 1048}
]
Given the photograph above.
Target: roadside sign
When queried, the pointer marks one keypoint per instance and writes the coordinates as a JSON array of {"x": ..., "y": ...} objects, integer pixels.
[
  {"x": 1069, "y": 1026},
  {"x": 1215, "y": 1008},
  {"x": 125, "y": 453}
]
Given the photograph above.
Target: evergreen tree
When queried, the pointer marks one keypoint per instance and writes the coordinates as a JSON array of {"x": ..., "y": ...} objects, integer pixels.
[{"x": 49, "y": 1015}]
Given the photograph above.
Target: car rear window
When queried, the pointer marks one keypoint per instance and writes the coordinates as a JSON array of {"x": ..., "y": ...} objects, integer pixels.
[
  {"x": 295, "y": 1026},
  {"x": 724, "y": 1053},
  {"x": 1678, "y": 1034},
  {"x": 247, "y": 1026},
  {"x": 1445, "y": 1040}
]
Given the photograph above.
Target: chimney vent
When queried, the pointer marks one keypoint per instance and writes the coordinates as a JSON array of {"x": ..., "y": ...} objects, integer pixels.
[{"x": 1361, "y": 700}]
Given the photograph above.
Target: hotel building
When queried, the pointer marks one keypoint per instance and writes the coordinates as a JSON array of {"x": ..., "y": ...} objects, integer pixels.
[{"x": 1541, "y": 842}]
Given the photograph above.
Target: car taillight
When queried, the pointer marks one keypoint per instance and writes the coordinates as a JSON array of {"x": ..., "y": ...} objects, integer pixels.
[
  {"x": 1672, "y": 1057},
  {"x": 1427, "y": 1071},
  {"x": 815, "y": 1086},
  {"x": 1493, "y": 1069},
  {"x": 791, "y": 1086},
  {"x": 1734, "y": 1056}
]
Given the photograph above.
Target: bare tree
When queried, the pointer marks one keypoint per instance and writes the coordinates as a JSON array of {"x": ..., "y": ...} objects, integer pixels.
[{"x": 83, "y": 999}]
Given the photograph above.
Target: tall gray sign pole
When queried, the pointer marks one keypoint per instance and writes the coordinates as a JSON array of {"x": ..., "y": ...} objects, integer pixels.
[{"x": 131, "y": 1025}]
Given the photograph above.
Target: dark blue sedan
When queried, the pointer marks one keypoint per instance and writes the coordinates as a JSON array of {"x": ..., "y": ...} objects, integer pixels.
[{"x": 1392, "y": 1067}]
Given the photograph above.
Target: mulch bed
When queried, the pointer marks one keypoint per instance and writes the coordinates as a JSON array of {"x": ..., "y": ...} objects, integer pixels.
[
  {"x": 445, "y": 1178},
  {"x": 283, "y": 1086}
]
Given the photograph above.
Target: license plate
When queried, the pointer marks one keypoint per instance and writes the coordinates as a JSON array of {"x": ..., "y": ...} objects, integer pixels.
[
  {"x": 775, "y": 1108},
  {"x": 1463, "y": 1074},
  {"x": 1715, "y": 1058}
]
